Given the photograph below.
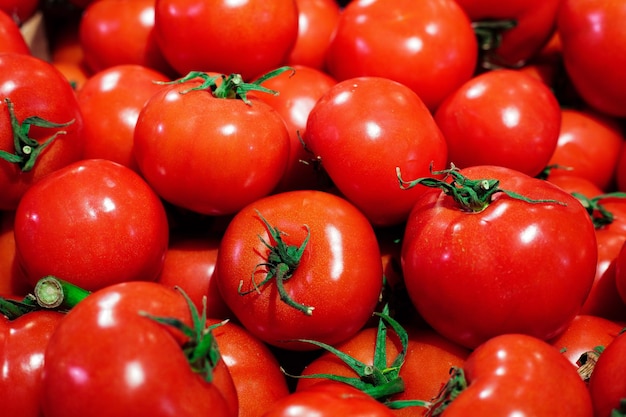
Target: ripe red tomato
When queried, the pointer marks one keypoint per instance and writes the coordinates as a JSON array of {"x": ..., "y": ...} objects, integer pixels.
[
  {"x": 501, "y": 117},
  {"x": 143, "y": 359},
  {"x": 207, "y": 154},
  {"x": 12, "y": 281},
  {"x": 110, "y": 102},
  {"x": 317, "y": 20},
  {"x": 472, "y": 270},
  {"x": 107, "y": 24},
  {"x": 591, "y": 34},
  {"x": 584, "y": 334},
  {"x": 190, "y": 264},
  {"x": 328, "y": 399},
  {"x": 429, "y": 46},
  {"x": 362, "y": 129},
  {"x": 93, "y": 223},
  {"x": 324, "y": 256},
  {"x": 589, "y": 145},
  {"x": 573, "y": 183},
  {"x": 603, "y": 299},
  {"x": 298, "y": 93},
  {"x": 11, "y": 39},
  {"x": 534, "y": 25},
  {"x": 253, "y": 367},
  {"x": 23, "y": 343},
  {"x": 245, "y": 37},
  {"x": 620, "y": 273},
  {"x": 607, "y": 384},
  {"x": 32, "y": 87},
  {"x": 517, "y": 374}
]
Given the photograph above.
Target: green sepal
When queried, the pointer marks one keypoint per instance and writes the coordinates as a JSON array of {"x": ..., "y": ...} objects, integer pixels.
[
  {"x": 282, "y": 262},
  {"x": 377, "y": 380},
  {"x": 201, "y": 349},
  {"x": 27, "y": 149},
  {"x": 232, "y": 86},
  {"x": 471, "y": 195}
]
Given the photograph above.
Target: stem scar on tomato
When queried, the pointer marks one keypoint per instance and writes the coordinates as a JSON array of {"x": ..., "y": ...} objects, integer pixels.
[
  {"x": 27, "y": 149},
  {"x": 232, "y": 86},
  {"x": 471, "y": 195},
  {"x": 282, "y": 261}
]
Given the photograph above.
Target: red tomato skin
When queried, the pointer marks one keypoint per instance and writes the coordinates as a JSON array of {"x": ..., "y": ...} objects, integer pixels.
[
  {"x": 428, "y": 360},
  {"x": 317, "y": 20},
  {"x": 501, "y": 117},
  {"x": 574, "y": 183},
  {"x": 23, "y": 343},
  {"x": 591, "y": 34},
  {"x": 12, "y": 280},
  {"x": 328, "y": 399},
  {"x": 190, "y": 264},
  {"x": 142, "y": 356},
  {"x": 603, "y": 299},
  {"x": 589, "y": 145},
  {"x": 36, "y": 88},
  {"x": 298, "y": 93},
  {"x": 109, "y": 129},
  {"x": 517, "y": 373},
  {"x": 339, "y": 274},
  {"x": 535, "y": 21},
  {"x": 253, "y": 367},
  {"x": 106, "y": 24},
  {"x": 11, "y": 39},
  {"x": 473, "y": 276},
  {"x": 239, "y": 151},
  {"x": 224, "y": 37},
  {"x": 584, "y": 334},
  {"x": 428, "y": 46},
  {"x": 114, "y": 226},
  {"x": 607, "y": 384},
  {"x": 365, "y": 127},
  {"x": 620, "y": 273}
]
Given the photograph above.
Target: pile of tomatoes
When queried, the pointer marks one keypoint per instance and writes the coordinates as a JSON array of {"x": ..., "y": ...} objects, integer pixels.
[{"x": 313, "y": 208}]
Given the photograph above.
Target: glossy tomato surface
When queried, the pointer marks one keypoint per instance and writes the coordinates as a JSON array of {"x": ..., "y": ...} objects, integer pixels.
[
  {"x": 298, "y": 92},
  {"x": 107, "y": 24},
  {"x": 362, "y": 129},
  {"x": 429, "y": 46},
  {"x": 589, "y": 145},
  {"x": 206, "y": 154},
  {"x": 520, "y": 375},
  {"x": 329, "y": 399},
  {"x": 143, "y": 357},
  {"x": 244, "y": 37},
  {"x": 501, "y": 117},
  {"x": 513, "y": 266},
  {"x": 23, "y": 343},
  {"x": 607, "y": 384},
  {"x": 110, "y": 102},
  {"x": 114, "y": 226},
  {"x": 338, "y": 277},
  {"x": 592, "y": 35},
  {"x": 36, "y": 89}
]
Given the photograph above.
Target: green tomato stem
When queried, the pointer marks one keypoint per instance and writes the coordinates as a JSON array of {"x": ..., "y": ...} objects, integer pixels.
[
  {"x": 471, "y": 195},
  {"x": 53, "y": 293}
]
